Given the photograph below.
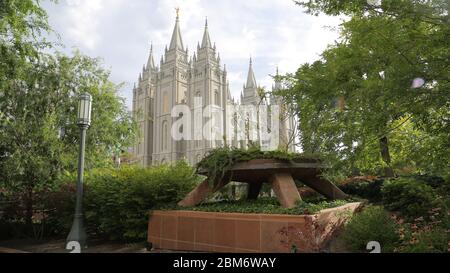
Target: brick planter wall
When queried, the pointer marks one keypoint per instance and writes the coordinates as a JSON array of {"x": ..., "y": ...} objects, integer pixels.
[{"x": 244, "y": 233}]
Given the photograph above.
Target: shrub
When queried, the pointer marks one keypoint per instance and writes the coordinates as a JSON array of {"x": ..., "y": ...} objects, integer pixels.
[
  {"x": 428, "y": 233},
  {"x": 52, "y": 212},
  {"x": 438, "y": 183},
  {"x": 60, "y": 205},
  {"x": 365, "y": 187},
  {"x": 372, "y": 224},
  {"x": 118, "y": 201},
  {"x": 433, "y": 240},
  {"x": 410, "y": 197}
]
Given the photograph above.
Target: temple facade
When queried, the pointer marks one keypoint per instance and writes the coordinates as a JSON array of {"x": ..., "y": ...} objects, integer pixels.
[{"x": 192, "y": 82}]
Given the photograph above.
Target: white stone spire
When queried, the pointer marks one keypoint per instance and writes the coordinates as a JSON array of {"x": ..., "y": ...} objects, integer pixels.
[
  {"x": 151, "y": 61},
  {"x": 206, "y": 42},
  {"x": 177, "y": 41},
  {"x": 278, "y": 85},
  {"x": 251, "y": 80}
]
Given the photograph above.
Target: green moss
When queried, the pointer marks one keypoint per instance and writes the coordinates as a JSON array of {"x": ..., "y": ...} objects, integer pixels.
[{"x": 219, "y": 160}]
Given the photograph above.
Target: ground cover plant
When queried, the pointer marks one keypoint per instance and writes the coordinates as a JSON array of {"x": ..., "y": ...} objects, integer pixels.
[
  {"x": 218, "y": 160},
  {"x": 264, "y": 206}
]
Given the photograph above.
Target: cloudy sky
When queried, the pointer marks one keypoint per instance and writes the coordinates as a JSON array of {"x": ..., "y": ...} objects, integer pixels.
[{"x": 274, "y": 32}]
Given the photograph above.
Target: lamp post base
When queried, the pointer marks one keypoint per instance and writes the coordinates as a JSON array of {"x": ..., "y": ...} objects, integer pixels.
[{"x": 78, "y": 233}]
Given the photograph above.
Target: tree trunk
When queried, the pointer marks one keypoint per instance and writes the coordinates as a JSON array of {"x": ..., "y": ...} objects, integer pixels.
[{"x": 386, "y": 156}]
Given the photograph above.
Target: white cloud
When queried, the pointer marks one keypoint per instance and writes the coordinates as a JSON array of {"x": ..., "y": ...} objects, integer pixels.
[{"x": 274, "y": 33}]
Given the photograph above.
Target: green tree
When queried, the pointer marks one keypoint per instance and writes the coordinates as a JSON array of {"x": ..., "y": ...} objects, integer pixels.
[
  {"x": 38, "y": 102},
  {"x": 355, "y": 103}
]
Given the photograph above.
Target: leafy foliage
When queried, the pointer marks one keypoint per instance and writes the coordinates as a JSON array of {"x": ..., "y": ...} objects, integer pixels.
[
  {"x": 363, "y": 187},
  {"x": 372, "y": 224},
  {"x": 38, "y": 102},
  {"x": 52, "y": 211},
  {"x": 426, "y": 234},
  {"x": 419, "y": 206},
  {"x": 219, "y": 160},
  {"x": 440, "y": 184},
  {"x": 410, "y": 197},
  {"x": 20, "y": 21},
  {"x": 432, "y": 240},
  {"x": 21, "y": 26},
  {"x": 118, "y": 201},
  {"x": 359, "y": 107}
]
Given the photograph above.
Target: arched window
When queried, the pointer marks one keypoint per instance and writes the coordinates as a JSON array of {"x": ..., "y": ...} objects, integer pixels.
[{"x": 164, "y": 136}]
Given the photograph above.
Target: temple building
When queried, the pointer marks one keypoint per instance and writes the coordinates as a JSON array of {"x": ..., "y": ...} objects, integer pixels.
[{"x": 178, "y": 80}]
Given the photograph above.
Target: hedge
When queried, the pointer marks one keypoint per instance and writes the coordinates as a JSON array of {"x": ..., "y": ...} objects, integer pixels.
[{"x": 117, "y": 201}]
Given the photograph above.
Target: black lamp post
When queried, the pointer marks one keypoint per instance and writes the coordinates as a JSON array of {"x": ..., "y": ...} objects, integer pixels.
[{"x": 78, "y": 232}]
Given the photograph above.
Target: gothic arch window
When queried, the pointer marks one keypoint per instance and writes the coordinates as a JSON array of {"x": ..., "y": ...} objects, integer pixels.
[{"x": 164, "y": 136}]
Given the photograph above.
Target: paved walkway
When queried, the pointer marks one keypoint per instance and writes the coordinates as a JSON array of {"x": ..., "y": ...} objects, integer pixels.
[{"x": 58, "y": 246}]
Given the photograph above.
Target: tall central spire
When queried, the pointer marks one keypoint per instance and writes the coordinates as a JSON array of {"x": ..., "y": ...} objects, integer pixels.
[
  {"x": 177, "y": 41},
  {"x": 278, "y": 84},
  {"x": 151, "y": 61},
  {"x": 251, "y": 80},
  {"x": 206, "y": 42}
]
